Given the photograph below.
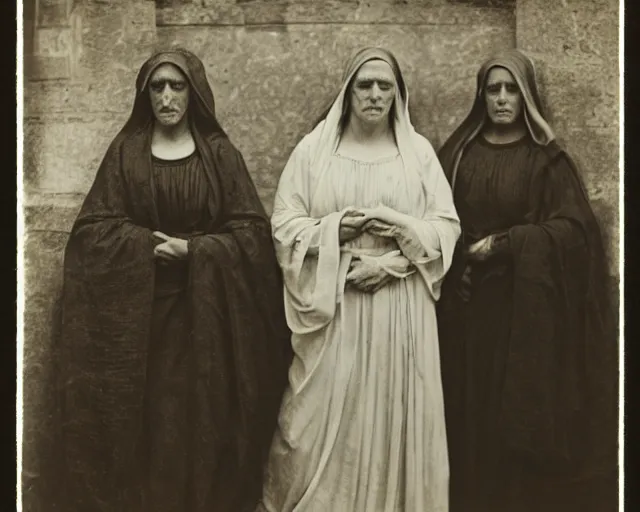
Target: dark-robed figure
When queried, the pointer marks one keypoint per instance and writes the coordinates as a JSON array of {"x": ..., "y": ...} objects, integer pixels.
[
  {"x": 528, "y": 340},
  {"x": 173, "y": 350}
]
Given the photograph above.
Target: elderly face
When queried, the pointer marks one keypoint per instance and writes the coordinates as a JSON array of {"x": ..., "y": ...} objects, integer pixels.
[
  {"x": 502, "y": 96},
  {"x": 169, "y": 94},
  {"x": 372, "y": 92}
]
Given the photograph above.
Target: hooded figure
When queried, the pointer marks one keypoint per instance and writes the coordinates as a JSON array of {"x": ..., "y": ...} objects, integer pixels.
[
  {"x": 527, "y": 336},
  {"x": 170, "y": 372},
  {"x": 361, "y": 426}
]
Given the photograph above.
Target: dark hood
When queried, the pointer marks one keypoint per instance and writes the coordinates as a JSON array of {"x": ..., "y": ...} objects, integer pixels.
[
  {"x": 523, "y": 71},
  {"x": 202, "y": 112}
]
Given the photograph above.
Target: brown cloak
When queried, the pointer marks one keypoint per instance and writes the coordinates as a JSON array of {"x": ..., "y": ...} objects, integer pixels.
[
  {"x": 559, "y": 398},
  {"x": 239, "y": 342}
]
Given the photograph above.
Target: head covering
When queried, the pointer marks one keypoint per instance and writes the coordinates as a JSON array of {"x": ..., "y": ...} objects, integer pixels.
[
  {"x": 202, "y": 112},
  {"x": 523, "y": 71},
  {"x": 135, "y": 137},
  {"x": 326, "y": 135}
]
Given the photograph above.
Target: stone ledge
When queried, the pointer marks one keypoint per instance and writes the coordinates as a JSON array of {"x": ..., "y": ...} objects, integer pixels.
[{"x": 333, "y": 12}]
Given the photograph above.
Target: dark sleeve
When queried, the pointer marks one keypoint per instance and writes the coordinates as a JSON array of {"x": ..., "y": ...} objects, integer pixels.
[
  {"x": 105, "y": 237},
  {"x": 556, "y": 203},
  {"x": 558, "y": 353},
  {"x": 558, "y": 208}
]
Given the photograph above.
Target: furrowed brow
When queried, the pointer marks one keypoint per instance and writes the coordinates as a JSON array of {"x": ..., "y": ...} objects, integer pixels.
[
  {"x": 502, "y": 82},
  {"x": 378, "y": 79},
  {"x": 172, "y": 81}
]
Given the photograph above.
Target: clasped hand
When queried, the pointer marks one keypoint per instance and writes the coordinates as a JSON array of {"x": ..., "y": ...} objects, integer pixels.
[
  {"x": 356, "y": 221},
  {"x": 171, "y": 249},
  {"x": 367, "y": 277},
  {"x": 481, "y": 250}
]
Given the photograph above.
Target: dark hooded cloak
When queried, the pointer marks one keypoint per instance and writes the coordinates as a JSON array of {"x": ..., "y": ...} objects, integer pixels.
[
  {"x": 229, "y": 293},
  {"x": 540, "y": 305}
]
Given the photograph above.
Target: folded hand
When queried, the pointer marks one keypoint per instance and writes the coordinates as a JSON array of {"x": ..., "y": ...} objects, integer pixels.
[
  {"x": 382, "y": 213},
  {"x": 480, "y": 250},
  {"x": 380, "y": 228},
  {"x": 367, "y": 277},
  {"x": 351, "y": 225},
  {"x": 171, "y": 249}
]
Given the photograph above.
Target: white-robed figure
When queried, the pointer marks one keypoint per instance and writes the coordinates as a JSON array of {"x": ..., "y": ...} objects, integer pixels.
[{"x": 364, "y": 227}]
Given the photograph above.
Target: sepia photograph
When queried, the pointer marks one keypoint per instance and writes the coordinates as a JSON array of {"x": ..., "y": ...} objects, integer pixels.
[{"x": 319, "y": 256}]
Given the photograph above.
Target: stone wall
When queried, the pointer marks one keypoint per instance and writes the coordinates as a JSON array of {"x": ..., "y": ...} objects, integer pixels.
[{"x": 274, "y": 65}]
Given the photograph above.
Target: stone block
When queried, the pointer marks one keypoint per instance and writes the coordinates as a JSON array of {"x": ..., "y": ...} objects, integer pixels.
[
  {"x": 52, "y": 42},
  {"x": 62, "y": 153},
  {"x": 569, "y": 28},
  {"x": 76, "y": 97},
  {"x": 270, "y": 101},
  {"x": 111, "y": 42},
  {"x": 586, "y": 93},
  {"x": 48, "y": 68},
  {"x": 54, "y": 13}
]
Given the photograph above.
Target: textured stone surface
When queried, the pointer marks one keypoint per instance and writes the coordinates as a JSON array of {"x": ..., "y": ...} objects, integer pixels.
[
  {"x": 49, "y": 68},
  {"x": 76, "y": 97},
  {"x": 54, "y": 41},
  {"x": 65, "y": 151},
  {"x": 112, "y": 39},
  {"x": 270, "y": 101},
  {"x": 51, "y": 212},
  {"x": 572, "y": 28},
  {"x": 584, "y": 93},
  {"x": 53, "y": 12},
  {"x": 383, "y": 12}
]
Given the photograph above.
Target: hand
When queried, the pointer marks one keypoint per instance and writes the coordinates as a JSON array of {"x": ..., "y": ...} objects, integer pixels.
[
  {"x": 480, "y": 250},
  {"x": 351, "y": 225},
  {"x": 384, "y": 214},
  {"x": 380, "y": 228},
  {"x": 172, "y": 249},
  {"x": 367, "y": 277}
]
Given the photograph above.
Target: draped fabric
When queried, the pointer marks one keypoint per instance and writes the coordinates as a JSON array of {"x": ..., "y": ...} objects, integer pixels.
[
  {"x": 361, "y": 426},
  {"x": 530, "y": 357},
  {"x": 124, "y": 317}
]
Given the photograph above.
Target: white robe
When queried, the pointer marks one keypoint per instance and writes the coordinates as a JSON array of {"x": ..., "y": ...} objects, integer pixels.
[{"x": 361, "y": 427}]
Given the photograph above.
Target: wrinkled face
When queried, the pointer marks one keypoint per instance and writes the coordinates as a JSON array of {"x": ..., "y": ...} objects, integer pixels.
[
  {"x": 169, "y": 94},
  {"x": 502, "y": 96},
  {"x": 372, "y": 92}
]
